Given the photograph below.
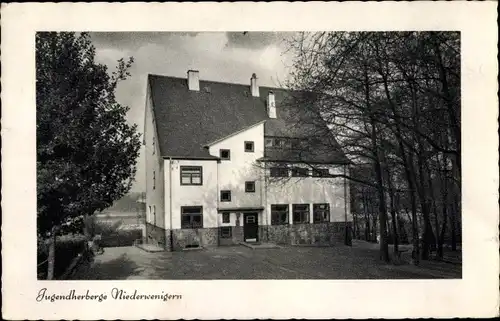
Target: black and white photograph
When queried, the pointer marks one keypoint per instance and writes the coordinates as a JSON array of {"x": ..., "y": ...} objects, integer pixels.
[
  {"x": 337, "y": 158},
  {"x": 192, "y": 163}
]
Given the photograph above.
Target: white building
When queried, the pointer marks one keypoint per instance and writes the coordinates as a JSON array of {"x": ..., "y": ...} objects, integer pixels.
[{"x": 229, "y": 163}]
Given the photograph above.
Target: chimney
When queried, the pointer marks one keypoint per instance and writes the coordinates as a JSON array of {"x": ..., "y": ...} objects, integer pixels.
[
  {"x": 194, "y": 80},
  {"x": 271, "y": 105},
  {"x": 254, "y": 88}
]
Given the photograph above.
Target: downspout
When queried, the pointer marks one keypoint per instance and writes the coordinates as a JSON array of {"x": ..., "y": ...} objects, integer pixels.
[
  {"x": 218, "y": 204},
  {"x": 264, "y": 199},
  {"x": 170, "y": 202}
]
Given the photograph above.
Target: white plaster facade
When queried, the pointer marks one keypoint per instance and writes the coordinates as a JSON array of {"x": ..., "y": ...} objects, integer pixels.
[
  {"x": 169, "y": 195},
  {"x": 155, "y": 185},
  {"x": 177, "y": 195},
  {"x": 310, "y": 190}
]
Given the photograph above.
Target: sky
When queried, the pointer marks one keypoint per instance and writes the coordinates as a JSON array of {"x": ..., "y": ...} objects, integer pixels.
[{"x": 218, "y": 56}]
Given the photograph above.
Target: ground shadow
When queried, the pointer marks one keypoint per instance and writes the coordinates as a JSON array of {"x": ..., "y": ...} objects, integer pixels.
[{"x": 119, "y": 268}]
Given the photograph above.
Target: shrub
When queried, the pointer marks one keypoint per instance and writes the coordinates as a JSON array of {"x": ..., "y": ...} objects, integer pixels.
[
  {"x": 120, "y": 238},
  {"x": 112, "y": 236},
  {"x": 72, "y": 225},
  {"x": 67, "y": 248}
]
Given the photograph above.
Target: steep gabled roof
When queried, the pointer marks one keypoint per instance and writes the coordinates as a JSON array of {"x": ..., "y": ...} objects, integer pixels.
[{"x": 188, "y": 120}]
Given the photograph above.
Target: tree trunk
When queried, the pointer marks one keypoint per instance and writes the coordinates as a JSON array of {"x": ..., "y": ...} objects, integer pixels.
[
  {"x": 384, "y": 247},
  {"x": 89, "y": 231},
  {"x": 436, "y": 224},
  {"x": 408, "y": 166},
  {"x": 421, "y": 186},
  {"x": 355, "y": 221},
  {"x": 402, "y": 232},
  {"x": 395, "y": 231},
  {"x": 86, "y": 226},
  {"x": 453, "y": 229},
  {"x": 373, "y": 237},
  {"x": 451, "y": 107},
  {"x": 414, "y": 219},
  {"x": 393, "y": 214},
  {"x": 440, "y": 251},
  {"x": 443, "y": 164},
  {"x": 408, "y": 215},
  {"x": 51, "y": 260},
  {"x": 367, "y": 217},
  {"x": 434, "y": 207},
  {"x": 382, "y": 208}
]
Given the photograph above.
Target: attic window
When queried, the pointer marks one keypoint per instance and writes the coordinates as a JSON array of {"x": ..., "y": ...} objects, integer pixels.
[
  {"x": 225, "y": 196},
  {"x": 250, "y": 187},
  {"x": 296, "y": 143},
  {"x": 279, "y": 142},
  {"x": 300, "y": 172},
  {"x": 320, "y": 172},
  {"x": 279, "y": 172},
  {"x": 225, "y": 154},
  {"x": 249, "y": 146}
]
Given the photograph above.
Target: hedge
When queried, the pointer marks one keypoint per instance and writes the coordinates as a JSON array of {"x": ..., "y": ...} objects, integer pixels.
[
  {"x": 112, "y": 236},
  {"x": 67, "y": 248},
  {"x": 120, "y": 238}
]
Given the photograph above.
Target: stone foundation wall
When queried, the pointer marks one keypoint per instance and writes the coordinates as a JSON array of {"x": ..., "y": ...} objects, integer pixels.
[
  {"x": 315, "y": 234},
  {"x": 326, "y": 234},
  {"x": 158, "y": 235},
  {"x": 279, "y": 234},
  {"x": 205, "y": 237},
  {"x": 236, "y": 236}
]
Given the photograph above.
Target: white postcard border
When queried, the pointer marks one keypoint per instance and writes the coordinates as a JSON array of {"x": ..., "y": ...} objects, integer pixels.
[{"x": 477, "y": 294}]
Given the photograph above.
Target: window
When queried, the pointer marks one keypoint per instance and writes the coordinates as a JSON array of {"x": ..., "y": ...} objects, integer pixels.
[
  {"x": 225, "y": 154},
  {"x": 250, "y": 187},
  {"x": 225, "y": 232},
  {"x": 225, "y": 218},
  {"x": 154, "y": 145},
  {"x": 154, "y": 179},
  {"x": 225, "y": 196},
  {"x": 295, "y": 143},
  {"x": 154, "y": 215},
  {"x": 279, "y": 172},
  {"x": 249, "y": 147},
  {"x": 191, "y": 217},
  {"x": 279, "y": 142},
  {"x": 300, "y": 172},
  {"x": 321, "y": 172},
  {"x": 284, "y": 142},
  {"x": 300, "y": 213},
  {"x": 191, "y": 175},
  {"x": 321, "y": 213},
  {"x": 279, "y": 214}
]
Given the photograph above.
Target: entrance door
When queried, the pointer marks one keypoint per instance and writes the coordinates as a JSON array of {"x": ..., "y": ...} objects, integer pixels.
[{"x": 250, "y": 227}]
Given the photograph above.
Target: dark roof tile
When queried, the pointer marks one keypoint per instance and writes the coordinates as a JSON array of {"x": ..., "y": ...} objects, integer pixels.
[{"x": 188, "y": 120}]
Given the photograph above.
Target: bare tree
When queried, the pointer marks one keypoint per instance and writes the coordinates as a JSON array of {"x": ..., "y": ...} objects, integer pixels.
[{"x": 391, "y": 100}]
